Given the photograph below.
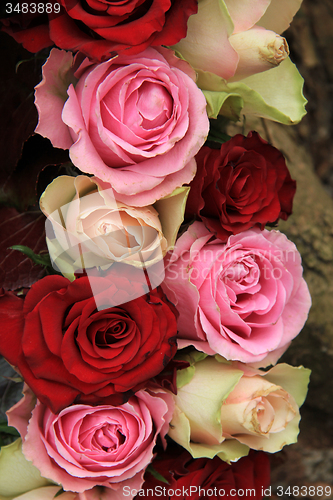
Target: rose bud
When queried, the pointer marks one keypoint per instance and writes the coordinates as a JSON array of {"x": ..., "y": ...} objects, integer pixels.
[{"x": 259, "y": 50}]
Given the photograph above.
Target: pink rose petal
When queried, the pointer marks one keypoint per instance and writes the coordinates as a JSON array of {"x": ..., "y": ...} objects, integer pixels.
[{"x": 50, "y": 97}]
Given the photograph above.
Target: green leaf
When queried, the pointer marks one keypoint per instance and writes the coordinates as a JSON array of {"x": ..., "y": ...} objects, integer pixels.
[
  {"x": 31, "y": 59},
  {"x": 40, "y": 259},
  {"x": 17, "y": 379},
  {"x": 156, "y": 474},
  {"x": 27, "y": 228},
  {"x": 6, "y": 429},
  {"x": 217, "y": 130}
]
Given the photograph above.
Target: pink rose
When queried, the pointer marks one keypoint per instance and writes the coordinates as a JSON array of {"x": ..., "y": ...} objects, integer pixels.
[
  {"x": 244, "y": 299},
  {"x": 87, "y": 446},
  {"x": 136, "y": 122}
]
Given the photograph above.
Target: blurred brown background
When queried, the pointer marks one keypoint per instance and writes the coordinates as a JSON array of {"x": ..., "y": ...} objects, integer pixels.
[
  {"x": 309, "y": 150},
  {"x": 310, "y": 39}
]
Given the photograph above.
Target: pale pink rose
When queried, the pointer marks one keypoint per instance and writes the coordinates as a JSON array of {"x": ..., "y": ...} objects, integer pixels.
[
  {"x": 135, "y": 122},
  {"x": 87, "y": 227},
  {"x": 224, "y": 408},
  {"x": 244, "y": 299},
  {"x": 87, "y": 446}
]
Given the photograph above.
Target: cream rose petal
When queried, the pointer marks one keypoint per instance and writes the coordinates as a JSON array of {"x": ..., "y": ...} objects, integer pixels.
[
  {"x": 246, "y": 13},
  {"x": 279, "y": 15},
  {"x": 87, "y": 227},
  {"x": 17, "y": 474},
  {"x": 201, "y": 400},
  {"x": 171, "y": 213},
  {"x": 47, "y": 493},
  {"x": 281, "y": 90},
  {"x": 206, "y": 45},
  {"x": 293, "y": 379}
]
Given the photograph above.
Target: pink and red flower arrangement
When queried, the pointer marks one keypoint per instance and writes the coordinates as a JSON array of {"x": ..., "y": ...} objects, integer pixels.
[{"x": 150, "y": 350}]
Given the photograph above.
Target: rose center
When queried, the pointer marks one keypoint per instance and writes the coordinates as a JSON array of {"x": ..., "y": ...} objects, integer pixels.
[
  {"x": 154, "y": 105},
  {"x": 237, "y": 272},
  {"x": 118, "y": 229},
  {"x": 241, "y": 186},
  {"x": 111, "y": 334},
  {"x": 264, "y": 416},
  {"x": 105, "y": 228},
  {"x": 108, "y": 438},
  {"x": 241, "y": 277}
]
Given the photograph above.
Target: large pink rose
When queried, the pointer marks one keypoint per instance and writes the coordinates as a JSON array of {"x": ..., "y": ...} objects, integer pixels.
[
  {"x": 87, "y": 446},
  {"x": 244, "y": 299},
  {"x": 136, "y": 122}
]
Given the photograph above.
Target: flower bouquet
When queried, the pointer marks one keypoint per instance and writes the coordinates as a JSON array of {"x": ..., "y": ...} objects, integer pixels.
[{"x": 148, "y": 334}]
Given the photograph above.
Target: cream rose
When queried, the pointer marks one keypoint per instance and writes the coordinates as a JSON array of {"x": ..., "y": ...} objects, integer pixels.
[
  {"x": 224, "y": 408},
  {"x": 87, "y": 227}
]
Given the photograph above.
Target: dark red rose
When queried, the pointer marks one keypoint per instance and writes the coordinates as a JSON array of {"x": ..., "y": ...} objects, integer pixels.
[
  {"x": 68, "y": 351},
  {"x": 101, "y": 28},
  {"x": 203, "y": 477},
  {"x": 244, "y": 184}
]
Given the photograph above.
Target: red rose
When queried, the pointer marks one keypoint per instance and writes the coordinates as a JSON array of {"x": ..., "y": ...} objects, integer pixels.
[
  {"x": 67, "y": 351},
  {"x": 101, "y": 28},
  {"x": 203, "y": 477},
  {"x": 244, "y": 184}
]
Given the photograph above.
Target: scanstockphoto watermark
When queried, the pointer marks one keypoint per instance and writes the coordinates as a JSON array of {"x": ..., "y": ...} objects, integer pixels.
[{"x": 167, "y": 492}]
